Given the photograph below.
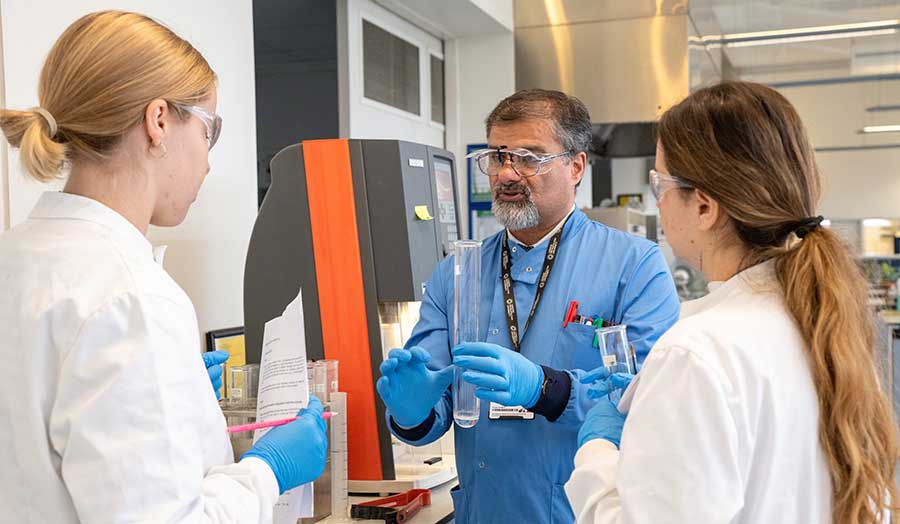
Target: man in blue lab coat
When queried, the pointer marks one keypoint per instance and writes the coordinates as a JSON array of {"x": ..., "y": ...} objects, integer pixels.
[{"x": 512, "y": 465}]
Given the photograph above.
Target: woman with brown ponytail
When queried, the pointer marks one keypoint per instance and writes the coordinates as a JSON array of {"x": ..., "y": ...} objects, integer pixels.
[{"x": 763, "y": 403}]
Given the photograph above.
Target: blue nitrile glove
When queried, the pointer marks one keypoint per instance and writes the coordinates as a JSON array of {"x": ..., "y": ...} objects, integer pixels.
[
  {"x": 602, "y": 421},
  {"x": 409, "y": 388},
  {"x": 502, "y": 375},
  {"x": 296, "y": 451},
  {"x": 602, "y": 383},
  {"x": 213, "y": 361}
]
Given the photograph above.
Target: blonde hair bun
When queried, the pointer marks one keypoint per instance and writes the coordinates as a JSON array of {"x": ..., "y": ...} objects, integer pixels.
[
  {"x": 41, "y": 156},
  {"x": 99, "y": 77}
]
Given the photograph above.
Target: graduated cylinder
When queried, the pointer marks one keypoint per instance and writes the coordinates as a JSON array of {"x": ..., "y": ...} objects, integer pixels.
[{"x": 466, "y": 303}]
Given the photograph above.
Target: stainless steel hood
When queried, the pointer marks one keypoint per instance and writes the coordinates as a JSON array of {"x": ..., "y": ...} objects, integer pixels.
[{"x": 627, "y": 60}]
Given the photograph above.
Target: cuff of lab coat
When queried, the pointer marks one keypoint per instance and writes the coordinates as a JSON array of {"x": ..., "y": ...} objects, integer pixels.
[
  {"x": 262, "y": 471},
  {"x": 417, "y": 433},
  {"x": 556, "y": 394},
  {"x": 591, "y": 449}
]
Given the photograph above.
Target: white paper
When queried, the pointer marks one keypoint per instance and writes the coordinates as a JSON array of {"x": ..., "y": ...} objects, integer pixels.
[{"x": 283, "y": 391}]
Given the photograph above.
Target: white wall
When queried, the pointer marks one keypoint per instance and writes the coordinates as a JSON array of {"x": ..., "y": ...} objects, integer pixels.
[
  {"x": 834, "y": 113},
  {"x": 4, "y": 175},
  {"x": 860, "y": 184},
  {"x": 206, "y": 253},
  {"x": 4, "y": 191},
  {"x": 857, "y": 183},
  {"x": 479, "y": 71},
  {"x": 456, "y": 18},
  {"x": 500, "y": 10}
]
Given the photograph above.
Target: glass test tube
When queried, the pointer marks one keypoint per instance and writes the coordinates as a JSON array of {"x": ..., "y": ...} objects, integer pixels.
[
  {"x": 331, "y": 367},
  {"x": 466, "y": 302},
  {"x": 617, "y": 354}
]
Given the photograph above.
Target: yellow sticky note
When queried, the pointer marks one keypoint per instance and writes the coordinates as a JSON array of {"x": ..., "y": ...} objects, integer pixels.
[{"x": 423, "y": 214}]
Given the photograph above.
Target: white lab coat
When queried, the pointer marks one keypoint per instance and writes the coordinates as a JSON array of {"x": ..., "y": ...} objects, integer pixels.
[
  {"x": 723, "y": 422},
  {"x": 106, "y": 410}
]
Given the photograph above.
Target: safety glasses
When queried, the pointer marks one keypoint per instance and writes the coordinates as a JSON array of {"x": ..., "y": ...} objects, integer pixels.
[
  {"x": 524, "y": 162},
  {"x": 661, "y": 182},
  {"x": 211, "y": 121}
]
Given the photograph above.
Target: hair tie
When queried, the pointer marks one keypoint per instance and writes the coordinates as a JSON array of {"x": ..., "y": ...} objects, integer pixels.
[
  {"x": 808, "y": 225},
  {"x": 48, "y": 118}
]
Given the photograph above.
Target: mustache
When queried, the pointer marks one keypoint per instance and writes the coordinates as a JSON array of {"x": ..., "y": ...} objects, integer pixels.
[{"x": 512, "y": 188}]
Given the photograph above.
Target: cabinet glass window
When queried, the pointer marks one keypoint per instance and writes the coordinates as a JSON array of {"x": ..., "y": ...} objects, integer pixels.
[
  {"x": 437, "y": 89},
  {"x": 390, "y": 69}
]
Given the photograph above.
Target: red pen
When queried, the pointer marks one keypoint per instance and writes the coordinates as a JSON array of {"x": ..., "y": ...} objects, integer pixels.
[
  {"x": 271, "y": 424},
  {"x": 570, "y": 313}
]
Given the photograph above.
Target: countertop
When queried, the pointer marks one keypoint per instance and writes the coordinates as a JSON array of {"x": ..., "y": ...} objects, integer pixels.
[
  {"x": 890, "y": 316},
  {"x": 439, "y": 512}
]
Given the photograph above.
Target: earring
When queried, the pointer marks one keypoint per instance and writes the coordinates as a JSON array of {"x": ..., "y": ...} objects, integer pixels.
[{"x": 155, "y": 148}]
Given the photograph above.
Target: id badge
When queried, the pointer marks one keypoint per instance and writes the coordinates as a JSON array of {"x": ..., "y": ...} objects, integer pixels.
[{"x": 501, "y": 412}]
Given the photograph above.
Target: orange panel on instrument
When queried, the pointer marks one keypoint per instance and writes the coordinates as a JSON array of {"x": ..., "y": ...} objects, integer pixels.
[{"x": 345, "y": 334}]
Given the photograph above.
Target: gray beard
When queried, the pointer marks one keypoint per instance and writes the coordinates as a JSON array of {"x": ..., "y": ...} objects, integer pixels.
[{"x": 516, "y": 215}]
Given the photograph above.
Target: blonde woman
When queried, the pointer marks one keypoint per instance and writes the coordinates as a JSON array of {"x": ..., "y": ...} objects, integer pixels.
[
  {"x": 762, "y": 403},
  {"x": 106, "y": 410}
]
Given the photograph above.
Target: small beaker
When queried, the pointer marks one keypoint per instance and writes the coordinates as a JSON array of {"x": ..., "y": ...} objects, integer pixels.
[
  {"x": 617, "y": 354},
  {"x": 243, "y": 384}
]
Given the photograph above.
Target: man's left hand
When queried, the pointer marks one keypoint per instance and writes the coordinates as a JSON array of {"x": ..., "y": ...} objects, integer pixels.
[{"x": 502, "y": 375}]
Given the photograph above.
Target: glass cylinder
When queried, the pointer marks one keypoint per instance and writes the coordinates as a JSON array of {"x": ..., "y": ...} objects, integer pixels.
[
  {"x": 466, "y": 303},
  {"x": 320, "y": 381},
  {"x": 331, "y": 367},
  {"x": 337, "y": 448},
  {"x": 617, "y": 354},
  {"x": 243, "y": 383}
]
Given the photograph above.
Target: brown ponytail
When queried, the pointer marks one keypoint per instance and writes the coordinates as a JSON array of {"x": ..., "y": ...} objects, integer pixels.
[
  {"x": 745, "y": 146},
  {"x": 826, "y": 291}
]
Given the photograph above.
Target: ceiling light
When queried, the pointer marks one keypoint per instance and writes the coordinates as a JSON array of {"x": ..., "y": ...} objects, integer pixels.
[
  {"x": 801, "y": 34},
  {"x": 876, "y": 222},
  {"x": 807, "y": 38},
  {"x": 894, "y": 128},
  {"x": 885, "y": 107},
  {"x": 881, "y": 24}
]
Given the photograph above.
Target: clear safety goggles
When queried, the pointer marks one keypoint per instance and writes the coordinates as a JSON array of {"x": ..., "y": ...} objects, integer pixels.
[
  {"x": 211, "y": 121},
  {"x": 661, "y": 182},
  {"x": 524, "y": 162}
]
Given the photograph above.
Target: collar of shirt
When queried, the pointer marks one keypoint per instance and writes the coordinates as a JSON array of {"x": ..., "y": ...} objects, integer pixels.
[
  {"x": 547, "y": 236},
  {"x": 59, "y": 205},
  {"x": 759, "y": 278},
  {"x": 527, "y": 262}
]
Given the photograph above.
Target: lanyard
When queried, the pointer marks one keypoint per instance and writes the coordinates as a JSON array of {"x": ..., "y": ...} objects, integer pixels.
[{"x": 509, "y": 294}]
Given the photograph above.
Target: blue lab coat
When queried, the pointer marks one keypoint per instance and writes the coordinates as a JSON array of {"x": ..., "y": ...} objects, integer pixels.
[{"x": 514, "y": 470}]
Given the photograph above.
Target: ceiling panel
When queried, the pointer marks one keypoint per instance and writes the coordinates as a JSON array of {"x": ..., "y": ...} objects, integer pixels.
[{"x": 876, "y": 54}]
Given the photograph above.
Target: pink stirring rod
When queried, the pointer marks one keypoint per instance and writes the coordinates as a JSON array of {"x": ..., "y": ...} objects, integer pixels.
[{"x": 271, "y": 424}]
